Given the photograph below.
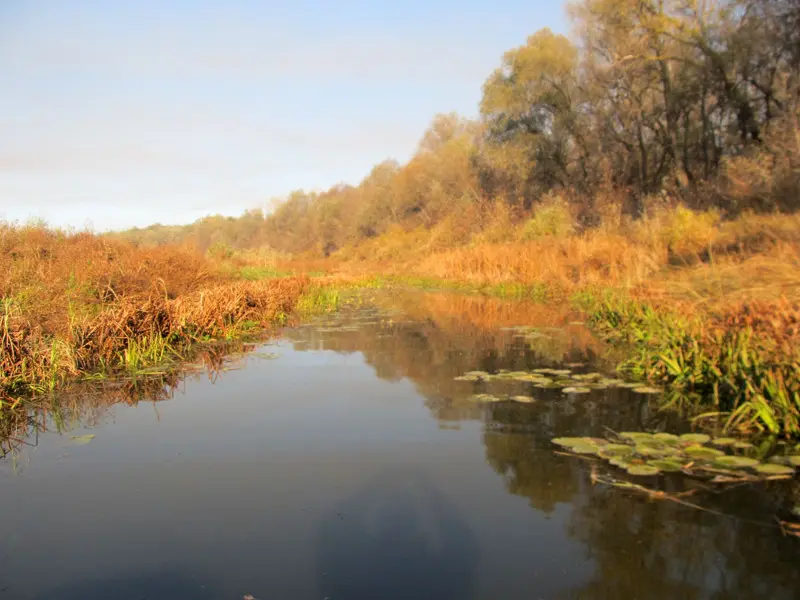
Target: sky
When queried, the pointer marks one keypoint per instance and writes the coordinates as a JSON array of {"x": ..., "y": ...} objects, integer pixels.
[{"x": 122, "y": 114}]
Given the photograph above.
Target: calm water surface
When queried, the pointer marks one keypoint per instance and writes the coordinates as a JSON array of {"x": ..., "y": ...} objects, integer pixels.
[{"x": 352, "y": 466}]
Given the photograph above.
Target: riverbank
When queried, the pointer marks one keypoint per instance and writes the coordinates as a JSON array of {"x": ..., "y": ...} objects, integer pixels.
[
  {"x": 708, "y": 308},
  {"x": 75, "y": 305}
]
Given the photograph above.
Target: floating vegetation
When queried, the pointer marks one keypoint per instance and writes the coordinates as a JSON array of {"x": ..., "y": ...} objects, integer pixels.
[
  {"x": 736, "y": 462},
  {"x": 724, "y": 441},
  {"x": 641, "y": 453},
  {"x": 774, "y": 469},
  {"x": 486, "y": 398},
  {"x": 643, "y": 470},
  {"x": 702, "y": 452},
  {"x": 550, "y": 378},
  {"x": 666, "y": 465},
  {"x": 524, "y": 399}
]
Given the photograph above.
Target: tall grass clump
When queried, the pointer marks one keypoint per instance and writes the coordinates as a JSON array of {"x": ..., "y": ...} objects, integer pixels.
[
  {"x": 72, "y": 304},
  {"x": 743, "y": 364}
]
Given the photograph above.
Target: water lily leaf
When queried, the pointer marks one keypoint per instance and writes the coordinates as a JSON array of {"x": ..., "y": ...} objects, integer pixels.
[
  {"x": 611, "y": 382},
  {"x": 703, "y": 453},
  {"x": 772, "y": 469},
  {"x": 736, "y": 462},
  {"x": 723, "y": 442},
  {"x": 585, "y": 449},
  {"x": 630, "y": 384},
  {"x": 80, "y": 440},
  {"x": 794, "y": 460},
  {"x": 576, "y": 390},
  {"x": 625, "y": 448},
  {"x": 643, "y": 470},
  {"x": 611, "y": 451},
  {"x": 649, "y": 450},
  {"x": 667, "y": 465},
  {"x": 588, "y": 377},
  {"x": 620, "y": 462},
  {"x": 695, "y": 438},
  {"x": 647, "y": 390},
  {"x": 667, "y": 438},
  {"x": 743, "y": 445},
  {"x": 569, "y": 442},
  {"x": 526, "y": 399},
  {"x": 561, "y": 372},
  {"x": 486, "y": 398},
  {"x": 563, "y": 382}
]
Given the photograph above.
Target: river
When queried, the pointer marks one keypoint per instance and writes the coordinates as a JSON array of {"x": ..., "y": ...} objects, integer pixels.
[{"x": 342, "y": 460}]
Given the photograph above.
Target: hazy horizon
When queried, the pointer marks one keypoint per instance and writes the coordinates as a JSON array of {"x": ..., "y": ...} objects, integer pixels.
[{"x": 121, "y": 116}]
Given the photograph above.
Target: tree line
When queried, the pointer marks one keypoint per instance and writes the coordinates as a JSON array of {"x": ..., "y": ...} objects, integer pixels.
[{"x": 697, "y": 100}]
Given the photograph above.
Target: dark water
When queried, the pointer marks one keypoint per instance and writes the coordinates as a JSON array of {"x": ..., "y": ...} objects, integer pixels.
[{"x": 352, "y": 466}]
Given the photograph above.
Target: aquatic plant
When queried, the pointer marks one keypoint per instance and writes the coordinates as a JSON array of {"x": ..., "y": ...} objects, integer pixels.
[{"x": 644, "y": 454}]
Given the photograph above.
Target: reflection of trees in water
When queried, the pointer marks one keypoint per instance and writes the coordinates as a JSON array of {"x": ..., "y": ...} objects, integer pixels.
[
  {"x": 396, "y": 538},
  {"x": 86, "y": 404},
  {"x": 642, "y": 549},
  {"x": 443, "y": 335}
]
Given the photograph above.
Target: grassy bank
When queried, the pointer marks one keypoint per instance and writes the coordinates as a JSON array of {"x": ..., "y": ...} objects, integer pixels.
[
  {"x": 710, "y": 307},
  {"x": 74, "y": 305}
]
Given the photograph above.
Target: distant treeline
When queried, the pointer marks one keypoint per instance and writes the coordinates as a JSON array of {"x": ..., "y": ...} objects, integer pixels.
[{"x": 693, "y": 100}]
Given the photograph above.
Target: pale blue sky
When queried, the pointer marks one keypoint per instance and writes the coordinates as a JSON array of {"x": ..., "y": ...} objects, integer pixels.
[{"x": 122, "y": 113}]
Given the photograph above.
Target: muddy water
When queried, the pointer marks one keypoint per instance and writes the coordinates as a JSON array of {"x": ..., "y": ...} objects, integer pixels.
[{"x": 343, "y": 461}]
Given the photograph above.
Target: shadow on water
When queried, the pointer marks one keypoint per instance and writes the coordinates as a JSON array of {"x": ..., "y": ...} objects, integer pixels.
[
  {"x": 398, "y": 537},
  {"x": 159, "y": 585}
]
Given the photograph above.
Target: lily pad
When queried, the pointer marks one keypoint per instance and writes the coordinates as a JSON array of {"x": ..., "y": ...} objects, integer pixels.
[
  {"x": 588, "y": 377},
  {"x": 636, "y": 436},
  {"x": 666, "y": 465},
  {"x": 695, "y": 438},
  {"x": 771, "y": 469},
  {"x": 576, "y": 390},
  {"x": 723, "y": 442},
  {"x": 525, "y": 399},
  {"x": 743, "y": 445},
  {"x": 648, "y": 450},
  {"x": 486, "y": 398},
  {"x": 703, "y": 453},
  {"x": 569, "y": 442},
  {"x": 585, "y": 449},
  {"x": 564, "y": 382},
  {"x": 736, "y": 462},
  {"x": 667, "y": 438},
  {"x": 620, "y": 462},
  {"x": 643, "y": 470},
  {"x": 794, "y": 460},
  {"x": 647, "y": 390},
  {"x": 80, "y": 440}
]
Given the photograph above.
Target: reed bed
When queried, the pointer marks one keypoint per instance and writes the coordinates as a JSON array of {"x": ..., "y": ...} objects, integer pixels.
[{"x": 74, "y": 304}]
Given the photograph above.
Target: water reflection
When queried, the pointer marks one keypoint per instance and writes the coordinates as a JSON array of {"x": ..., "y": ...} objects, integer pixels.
[
  {"x": 164, "y": 583},
  {"x": 398, "y": 537},
  {"x": 320, "y": 475}
]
